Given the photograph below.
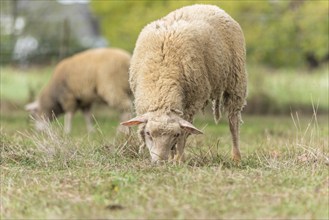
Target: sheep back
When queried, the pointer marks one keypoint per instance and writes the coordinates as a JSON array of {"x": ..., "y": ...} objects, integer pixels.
[
  {"x": 78, "y": 81},
  {"x": 192, "y": 55}
]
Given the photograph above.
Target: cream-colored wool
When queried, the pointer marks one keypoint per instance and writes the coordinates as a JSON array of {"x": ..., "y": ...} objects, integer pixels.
[
  {"x": 80, "y": 80},
  {"x": 193, "y": 55}
]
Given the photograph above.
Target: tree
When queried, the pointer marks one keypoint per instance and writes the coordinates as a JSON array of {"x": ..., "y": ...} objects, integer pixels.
[{"x": 278, "y": 33}]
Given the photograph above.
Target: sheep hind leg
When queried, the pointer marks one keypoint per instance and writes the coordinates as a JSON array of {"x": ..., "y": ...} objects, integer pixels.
[
  {"x": 89, "y": 121},
  {"x": 68, "y": 122},
  {"x": 234, "y": 123},
  {"x": 216, "y": 108}
]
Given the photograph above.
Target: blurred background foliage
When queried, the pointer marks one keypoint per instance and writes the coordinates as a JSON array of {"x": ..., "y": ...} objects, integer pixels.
[
  {"x": 278, "y": 33},
  {"x": 44, "y": 32},
  {"x": 284, "y": 39}
]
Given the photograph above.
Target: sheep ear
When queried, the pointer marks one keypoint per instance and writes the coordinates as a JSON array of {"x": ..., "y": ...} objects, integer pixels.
[
  {"x": 135, "y": 121},
  {"x": 187, "y": 126},
  {"x": 33, "y": 106}
]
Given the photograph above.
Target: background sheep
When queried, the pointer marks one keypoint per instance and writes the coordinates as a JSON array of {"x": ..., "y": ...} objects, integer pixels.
[
  {"x": 180, "y": 62},
  {"x": 80, "y": 80}
]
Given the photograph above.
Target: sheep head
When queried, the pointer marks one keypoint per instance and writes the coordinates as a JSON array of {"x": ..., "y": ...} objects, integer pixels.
[
  {"x": 161, "y": 132},
  {"x": 41, "y": 121}
]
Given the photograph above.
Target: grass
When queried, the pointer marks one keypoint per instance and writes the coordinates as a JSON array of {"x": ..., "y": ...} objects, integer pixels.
[
  {"x": 50, "y": 175},
  {"x": 281, "y": 90},
  {"x": 284, "y": 172},
  {"x": 18, "y": 85}
]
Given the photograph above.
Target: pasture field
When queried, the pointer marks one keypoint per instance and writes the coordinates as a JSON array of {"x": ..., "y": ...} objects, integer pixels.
[{"x": 283, "y": 173}]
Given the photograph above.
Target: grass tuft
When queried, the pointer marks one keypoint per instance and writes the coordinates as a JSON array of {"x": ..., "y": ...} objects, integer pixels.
[{"x": 52, "y": 146}]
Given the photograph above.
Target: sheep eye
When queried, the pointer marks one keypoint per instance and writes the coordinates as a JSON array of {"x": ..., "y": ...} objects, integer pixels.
[{"x": 149, "y": 135}]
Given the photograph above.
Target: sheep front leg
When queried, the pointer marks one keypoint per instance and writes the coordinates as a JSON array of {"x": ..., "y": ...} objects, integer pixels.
[
  {"x": 234, "y": 122},
  {"x": 179, "y": 151},
  {"x": 68, "y": 122}
]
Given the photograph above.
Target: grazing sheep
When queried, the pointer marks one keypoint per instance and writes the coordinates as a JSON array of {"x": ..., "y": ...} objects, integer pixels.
[
  {"x": 80, "y": 80},
  {"x": 193, "y": 55}
]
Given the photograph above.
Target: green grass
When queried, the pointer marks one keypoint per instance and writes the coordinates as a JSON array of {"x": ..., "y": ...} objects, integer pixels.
[
  {"x": 280, "y": 90},
  {"x": 17, "y": 84},
  {"x": 283, "y": 174}
]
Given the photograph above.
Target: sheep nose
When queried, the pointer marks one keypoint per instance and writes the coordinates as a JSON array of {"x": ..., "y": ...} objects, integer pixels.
[
  {"x": 157, "y": 158},
  {"x": 158, "y": 161}
]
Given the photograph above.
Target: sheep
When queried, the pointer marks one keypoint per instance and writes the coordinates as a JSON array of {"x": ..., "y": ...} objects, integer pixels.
[
  {"x": 78, "y": 81},
  {"x": 194, "y": 55}
]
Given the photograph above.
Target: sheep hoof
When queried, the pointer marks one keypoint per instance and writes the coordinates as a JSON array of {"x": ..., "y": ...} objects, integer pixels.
[
  {"x": 236, "y": 157},
  {"x": 178, "y": 159},
  {"x": 176, "y": 162}
]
